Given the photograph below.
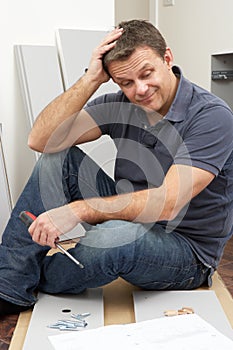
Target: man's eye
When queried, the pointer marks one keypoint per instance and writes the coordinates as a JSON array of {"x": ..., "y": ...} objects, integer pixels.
[
  {"x": 126, "y": 83},
  {"x": 147, "y": 74}
]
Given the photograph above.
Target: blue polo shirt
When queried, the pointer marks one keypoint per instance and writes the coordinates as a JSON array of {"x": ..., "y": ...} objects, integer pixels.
[{"x": 197, "y": 131}]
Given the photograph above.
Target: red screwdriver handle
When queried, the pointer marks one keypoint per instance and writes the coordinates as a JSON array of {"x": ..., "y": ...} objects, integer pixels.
[{"x": 27, "y": 218}]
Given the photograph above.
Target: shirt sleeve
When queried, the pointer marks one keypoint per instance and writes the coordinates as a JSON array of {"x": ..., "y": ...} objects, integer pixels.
[
  {"x": 105, "y": 110},
  {"x": 208, "y": 140}
]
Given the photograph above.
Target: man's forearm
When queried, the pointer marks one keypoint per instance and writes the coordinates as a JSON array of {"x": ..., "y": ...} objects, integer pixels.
[
  {"x": 181, "y": 184},
  {"x": 142, "y": 206}
]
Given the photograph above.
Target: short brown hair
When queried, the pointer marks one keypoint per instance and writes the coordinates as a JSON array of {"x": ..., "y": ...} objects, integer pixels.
[{"x": 137, "y": 33}]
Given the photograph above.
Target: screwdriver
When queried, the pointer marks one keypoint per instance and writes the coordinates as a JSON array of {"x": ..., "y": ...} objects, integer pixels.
[{"x": 27, "y": 218}]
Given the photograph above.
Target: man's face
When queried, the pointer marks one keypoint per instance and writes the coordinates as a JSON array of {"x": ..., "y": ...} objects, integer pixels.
[{"x": 146, "y": 79}]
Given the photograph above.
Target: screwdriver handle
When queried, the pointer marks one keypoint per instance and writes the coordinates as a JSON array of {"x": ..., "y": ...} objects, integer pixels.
[{"x": 27, "y": 218}]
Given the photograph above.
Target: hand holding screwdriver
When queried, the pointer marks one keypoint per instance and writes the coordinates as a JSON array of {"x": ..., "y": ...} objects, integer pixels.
[{"x": 27, "y": 218}]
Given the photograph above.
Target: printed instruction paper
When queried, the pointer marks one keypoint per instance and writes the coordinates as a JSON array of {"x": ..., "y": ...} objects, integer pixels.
[{"x": 166, "y": 333}]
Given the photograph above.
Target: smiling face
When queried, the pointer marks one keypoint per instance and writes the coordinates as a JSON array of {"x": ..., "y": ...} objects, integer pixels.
[{"x": 146, "y": 79}]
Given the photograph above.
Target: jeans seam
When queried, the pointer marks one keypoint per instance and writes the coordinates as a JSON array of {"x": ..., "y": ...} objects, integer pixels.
[{"x": 15, "y": 300}]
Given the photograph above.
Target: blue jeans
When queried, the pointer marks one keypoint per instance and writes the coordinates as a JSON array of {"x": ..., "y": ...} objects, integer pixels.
[{"x": 142, "y": 254}]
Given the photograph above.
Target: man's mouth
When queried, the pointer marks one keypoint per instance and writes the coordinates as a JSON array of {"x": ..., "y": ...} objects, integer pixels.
[{"x": 146, "y": 99}]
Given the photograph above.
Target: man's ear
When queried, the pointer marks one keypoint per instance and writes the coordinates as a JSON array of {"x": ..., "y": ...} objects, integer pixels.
[{"x": 168, "y": 57}]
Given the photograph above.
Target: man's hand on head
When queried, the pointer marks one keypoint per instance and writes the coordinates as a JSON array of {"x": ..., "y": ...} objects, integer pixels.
[{"x": 95, "y": 69}]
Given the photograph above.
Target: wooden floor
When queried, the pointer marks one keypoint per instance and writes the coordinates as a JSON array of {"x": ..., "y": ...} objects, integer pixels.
[{"x": 7, "y": 324}]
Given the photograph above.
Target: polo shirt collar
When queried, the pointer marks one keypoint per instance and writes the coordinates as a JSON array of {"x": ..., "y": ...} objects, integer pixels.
[{"x": 181, "y": 103}]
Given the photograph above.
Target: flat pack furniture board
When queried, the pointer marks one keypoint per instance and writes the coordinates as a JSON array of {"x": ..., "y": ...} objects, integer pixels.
[
  {"x": 49, "y": 309},
  {"x": 152, "y": 304},
  {"x": 39, "y": 77},
  {"x": 4, "y": 191},
  {"x": 75, "y": 47}
]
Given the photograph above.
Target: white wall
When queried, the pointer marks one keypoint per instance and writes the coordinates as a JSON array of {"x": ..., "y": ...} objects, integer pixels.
[
  {"x": 195, "y": 29},
  {"x": 35, "y": 22},
  {"x": 131, "y": 9}
]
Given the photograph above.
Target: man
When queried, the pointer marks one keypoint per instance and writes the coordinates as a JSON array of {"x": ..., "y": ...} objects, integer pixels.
[{"x": 164, "y": 220}]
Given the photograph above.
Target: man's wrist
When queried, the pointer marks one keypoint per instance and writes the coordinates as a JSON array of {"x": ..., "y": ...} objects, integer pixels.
[
  {"x": 91, "y": 81},
  {"x": 84, "y": 211}
]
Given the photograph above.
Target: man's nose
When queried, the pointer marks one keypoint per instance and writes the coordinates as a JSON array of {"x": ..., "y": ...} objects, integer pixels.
[{"x": 141, "y": 87}]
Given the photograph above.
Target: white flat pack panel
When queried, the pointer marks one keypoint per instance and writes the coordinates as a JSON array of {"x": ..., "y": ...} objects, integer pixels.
[
  {"x": 4, "y": 192},
  {"x": 49, "y": 309},
  {"x": 39, "y": 76},
  {"x": 75, "y": 48},
  {"x": 152, "y": 304}
]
